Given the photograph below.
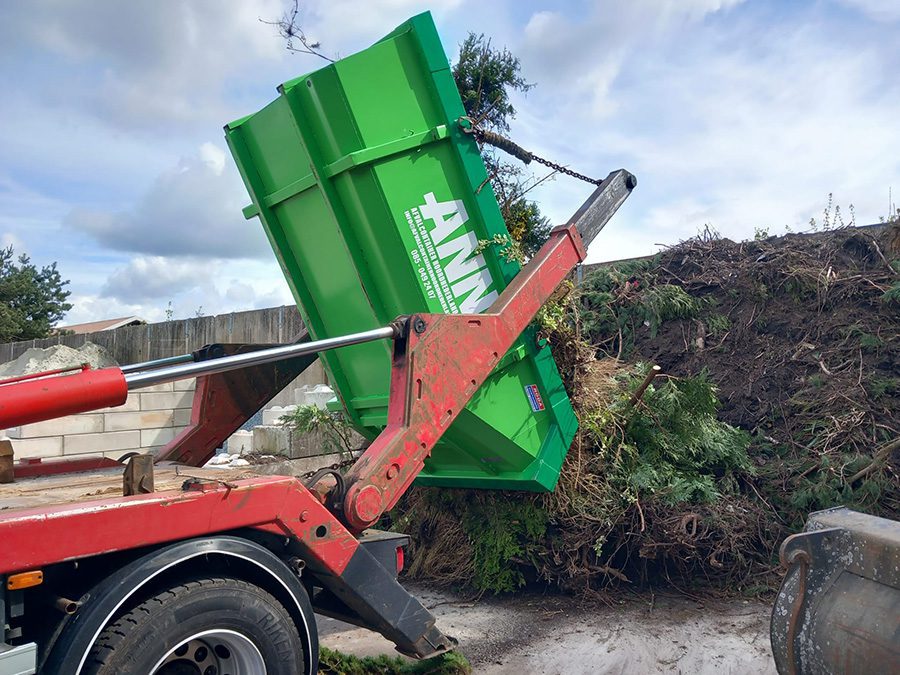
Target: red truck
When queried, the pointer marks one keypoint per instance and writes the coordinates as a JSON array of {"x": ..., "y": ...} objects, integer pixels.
[{"x": 164, "y": 567}]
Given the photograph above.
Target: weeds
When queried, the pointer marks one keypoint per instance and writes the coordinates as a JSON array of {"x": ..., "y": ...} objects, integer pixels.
[
  {"x": 332, "y": 662},
  {"x": 336, "y": 432}
]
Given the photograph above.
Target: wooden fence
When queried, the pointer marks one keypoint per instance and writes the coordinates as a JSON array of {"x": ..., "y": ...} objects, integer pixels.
[{"x": 132, "y": 344}]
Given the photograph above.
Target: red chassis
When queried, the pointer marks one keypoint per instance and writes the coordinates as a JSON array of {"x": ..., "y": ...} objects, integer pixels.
[{"x": 439, "y": 362}]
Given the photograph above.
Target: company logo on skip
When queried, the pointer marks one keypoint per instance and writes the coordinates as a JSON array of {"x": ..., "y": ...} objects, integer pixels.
[{"x": 467, "y": 274}]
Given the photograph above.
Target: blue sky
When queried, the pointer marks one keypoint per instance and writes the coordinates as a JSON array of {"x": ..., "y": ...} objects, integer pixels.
[{"x": 738, "y": 114}]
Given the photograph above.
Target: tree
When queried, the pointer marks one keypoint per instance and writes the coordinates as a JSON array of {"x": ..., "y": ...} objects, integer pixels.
[
  {"x": 485, "y": 78},
  {"x": 31, "y": 299}
]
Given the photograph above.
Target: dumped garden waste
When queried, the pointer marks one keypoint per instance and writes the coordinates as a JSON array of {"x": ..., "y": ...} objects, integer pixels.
[
  {"x": 778, "y": 394},
  {"x": 332, "y": 662}
]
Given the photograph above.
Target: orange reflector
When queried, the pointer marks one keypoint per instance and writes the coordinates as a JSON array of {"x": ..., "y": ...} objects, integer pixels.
[{"x": 14, "y": 582}]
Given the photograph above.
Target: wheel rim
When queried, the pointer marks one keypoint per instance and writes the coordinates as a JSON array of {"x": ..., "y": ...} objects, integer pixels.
[{"x": 212, "y": 652}]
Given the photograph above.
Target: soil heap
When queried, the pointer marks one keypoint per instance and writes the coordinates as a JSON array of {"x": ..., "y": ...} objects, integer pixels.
[{"x": 779, "y": 394}]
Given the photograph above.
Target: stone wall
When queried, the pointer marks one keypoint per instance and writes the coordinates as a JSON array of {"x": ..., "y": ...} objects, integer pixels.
[
  {"x": 151, "y": 417},
  {"x": 148, "y": 420}
]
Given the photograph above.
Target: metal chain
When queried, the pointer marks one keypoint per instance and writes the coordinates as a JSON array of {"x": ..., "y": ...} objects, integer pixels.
[
  {"x": 337, "y": 466},
  {"x": 516, "y": 150},
  {"x": 565, "y": 170}
]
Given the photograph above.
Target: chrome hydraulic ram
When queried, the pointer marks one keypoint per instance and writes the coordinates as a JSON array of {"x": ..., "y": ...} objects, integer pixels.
[
  {"x": 184, "y": 371},
  {"x": 52, "y": 394}
]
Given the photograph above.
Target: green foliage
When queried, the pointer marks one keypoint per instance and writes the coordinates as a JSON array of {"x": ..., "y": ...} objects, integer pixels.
[
  {"x": 507, "y": 248},
  {"x": 486, "y": 77},
  {"x": 816, "y": 380},
  {"x": 878, "y": 387},
  {"x": 667, "y": 449},
  {"x": 892, "y": 295},
  {"x": 336, "y": 432},
  {"x": 555, "y": 316},
  {"x": 760, "y": 233},
  {"x": 332, "y": 662},
  {"x": 620, "y": 300},
  {"x": 500, "y": 532},
  {"x": 867, "y": 341},
  {"x": 821, "y": 483},
  {"x": 31, "y": 299},
  {"x": 525, "y": 222},
  {"x": 671, "y": 445},
  {"x": 832, "y": 218},
  {"x": 717, "y": 324}
]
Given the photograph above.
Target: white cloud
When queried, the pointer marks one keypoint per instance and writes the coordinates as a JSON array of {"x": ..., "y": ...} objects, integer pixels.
[
  {"x": 145, "y": 285},
  {"x": 585, "y": 53},
  {"x": 347, "y": 25},
  {"x": 145, "y": 64},
  {"x": 736, "y": 123},
  {"x": 152, "y": 277},
  {"x": 739, "y": 114},
  {"x": 87, "y": 308},
  {"x": 880, "y": 10},
  {"x": 193, "y": 208}
]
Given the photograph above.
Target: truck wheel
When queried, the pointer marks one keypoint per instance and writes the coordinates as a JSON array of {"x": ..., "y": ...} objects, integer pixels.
[{"x": 209, "y": 626}]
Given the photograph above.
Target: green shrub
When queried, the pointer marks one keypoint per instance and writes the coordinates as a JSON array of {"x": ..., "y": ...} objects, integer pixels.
[{"x": 332, "y": 662}]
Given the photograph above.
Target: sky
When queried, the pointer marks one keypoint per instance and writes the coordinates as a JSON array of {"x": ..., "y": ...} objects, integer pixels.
[{"x": 743, "y": 115}]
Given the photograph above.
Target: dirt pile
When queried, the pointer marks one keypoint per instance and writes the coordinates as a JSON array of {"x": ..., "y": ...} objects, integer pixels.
[
  {"x": 35, "y": 359},
  {"x": 779, "y": 395},
  {"x": 799, "y": 333}
]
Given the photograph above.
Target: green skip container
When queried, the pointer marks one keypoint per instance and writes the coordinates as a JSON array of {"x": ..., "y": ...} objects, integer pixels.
[{"x": 375, "y": 201}]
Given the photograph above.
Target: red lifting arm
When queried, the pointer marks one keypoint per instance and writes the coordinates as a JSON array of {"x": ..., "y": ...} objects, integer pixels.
[{"x": 443, "y": 359}]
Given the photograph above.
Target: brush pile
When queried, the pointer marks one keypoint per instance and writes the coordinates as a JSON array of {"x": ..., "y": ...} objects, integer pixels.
[{"x": 779, "y": 394}]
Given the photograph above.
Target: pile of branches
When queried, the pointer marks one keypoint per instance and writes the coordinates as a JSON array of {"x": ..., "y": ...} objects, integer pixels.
[
  {"x": 778, "y": 396},
  {"x": 801, "y": 335}
]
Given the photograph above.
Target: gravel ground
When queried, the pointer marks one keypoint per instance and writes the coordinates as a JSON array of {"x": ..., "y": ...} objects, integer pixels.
[{"x": 544, "y": 634}]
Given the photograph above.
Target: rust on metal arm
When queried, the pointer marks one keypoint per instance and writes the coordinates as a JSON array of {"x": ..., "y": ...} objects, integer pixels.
[{"x": 442, "y": 359}]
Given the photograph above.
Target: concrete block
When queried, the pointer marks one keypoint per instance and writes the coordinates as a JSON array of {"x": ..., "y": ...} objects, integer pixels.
[
  {"x": 151, "y": 419},
  {"x": 93, "y": 443},
  {"x": 278, "y": 440},
  {"x": 167, "y": 400},
  {"x": 73, "y": 424},
  {"x": 312, "y": 444},
  {"x": 272, "y": 416},
  {"x": 240, "y": 443},
  {"x": 165, "y": 386},
  {"x": 317, "y": 395},
  {"x": 132, "y": 403},
  {"x": 37, "y": 447},
  {"x": 272, "y": 440},
  {"x": 182, "y": 417},
  {"x": 185, "y": 385},
  {"x": 151, "y": 437},
  {"x": 313, "y": 375}
]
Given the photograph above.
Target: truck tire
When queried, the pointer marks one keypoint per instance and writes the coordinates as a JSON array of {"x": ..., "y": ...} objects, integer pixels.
[{"x": 207, "y": 626}]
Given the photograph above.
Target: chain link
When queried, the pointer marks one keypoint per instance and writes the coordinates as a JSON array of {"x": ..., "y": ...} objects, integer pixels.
[
  {"x": 562, "y": 169},
  {"x": 337, "y": 466},
  {"x": 510, "y": 146}
]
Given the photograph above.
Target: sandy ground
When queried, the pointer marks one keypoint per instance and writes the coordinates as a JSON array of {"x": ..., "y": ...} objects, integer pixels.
[{"x": 546, "y": 634}]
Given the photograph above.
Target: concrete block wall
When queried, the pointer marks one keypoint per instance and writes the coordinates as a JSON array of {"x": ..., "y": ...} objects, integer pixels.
[{"x": 148, "y": 420}]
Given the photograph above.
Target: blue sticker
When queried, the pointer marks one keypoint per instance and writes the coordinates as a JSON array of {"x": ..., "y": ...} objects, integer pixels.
[{"x": 534, "y": 397}]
